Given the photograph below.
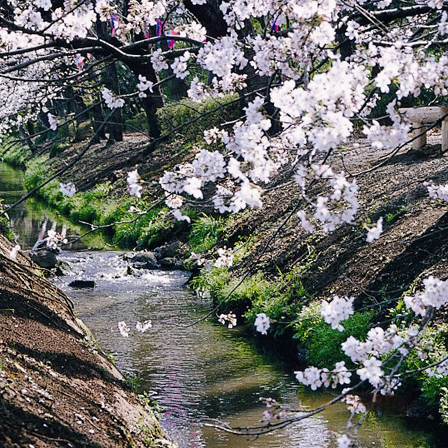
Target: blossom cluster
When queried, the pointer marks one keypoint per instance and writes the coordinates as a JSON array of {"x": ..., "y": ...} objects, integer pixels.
[
  {"x": 377, "y": 343},
  {"x": 375, "y": 232},
  {"x": 333, "y": 210},
  {"x": 314, "y": 377},
  {"x": 437, "y": 191},
  {"x": 143, "y": 85},
  {"x": 67, "y": 189},
  {"x": 225, "y": 258},
  {"x": 133, "y": 181},
  {"x": 339, "y": 309},
  {"x": 228, "y": 319},
  {"x": 262, "y": 323},
  {"x": 112, "y": 102},
  {"x": 140, "y": 327},
  {"x": 54, "y": 239},
  {"x": 435, "y": 295}
]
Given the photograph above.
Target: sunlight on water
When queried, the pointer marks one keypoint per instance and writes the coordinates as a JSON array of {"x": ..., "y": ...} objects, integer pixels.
[{"x": 206, "y": 371}]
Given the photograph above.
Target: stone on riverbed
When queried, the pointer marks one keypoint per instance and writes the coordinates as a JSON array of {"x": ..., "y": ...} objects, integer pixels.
[
  {"x": 171, "y": 263},
  {"x": 82, "y": 284},
  {"x": 145, "y": 260},
  {"x": 127, "y": 256},
  {"x": 63, "y": 268},
  {"x": 44, "y": 258},
  {"x": 175, "y": 249}
]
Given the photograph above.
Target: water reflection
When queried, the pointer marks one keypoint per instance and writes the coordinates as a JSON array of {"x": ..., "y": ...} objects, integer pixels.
[
  {"x": 29, "y": 218},
  {"x": 207, "y": 371}
]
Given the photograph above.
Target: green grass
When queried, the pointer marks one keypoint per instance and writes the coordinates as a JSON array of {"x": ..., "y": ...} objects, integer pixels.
[
  {"x": 321, "y": 343},
  {"x": 205, "y": 233},
  {"x": 99, "y": 207},
  {"x": 15, "y": 154}
]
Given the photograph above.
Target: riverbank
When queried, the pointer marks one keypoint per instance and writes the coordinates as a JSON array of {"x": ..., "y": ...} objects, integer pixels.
[
  {"x": 57, "y": 388},
  {"x": 295, "y": 272}
]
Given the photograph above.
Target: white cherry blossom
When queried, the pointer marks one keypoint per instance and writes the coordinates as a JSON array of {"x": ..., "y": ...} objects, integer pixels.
[
  {"x": 336, "y": 311},
  {"x": 262, "y": 323}
]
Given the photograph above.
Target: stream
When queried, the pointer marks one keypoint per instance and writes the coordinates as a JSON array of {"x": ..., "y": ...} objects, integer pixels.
[{"x": 195, "y": 373}]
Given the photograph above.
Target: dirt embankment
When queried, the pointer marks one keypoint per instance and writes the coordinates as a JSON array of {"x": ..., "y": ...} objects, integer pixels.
[
  {"x": 56, "y": 388},
  {"x": 414, "y": 243}
]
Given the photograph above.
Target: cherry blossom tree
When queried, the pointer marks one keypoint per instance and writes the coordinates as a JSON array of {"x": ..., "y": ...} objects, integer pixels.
[{"x": 306, "y": 75}]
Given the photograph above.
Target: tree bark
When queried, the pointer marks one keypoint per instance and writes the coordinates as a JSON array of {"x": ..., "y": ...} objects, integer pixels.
[
  {"x": 115, "y": 125},
  {"x": 97, "y": 118},
  {"x": 153, "y": 101}
]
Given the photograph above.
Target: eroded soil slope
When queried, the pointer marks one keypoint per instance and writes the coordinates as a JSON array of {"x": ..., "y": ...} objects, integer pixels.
[
  {"x": 415, "y": 239},
  {"x": 56, "y": 388}
]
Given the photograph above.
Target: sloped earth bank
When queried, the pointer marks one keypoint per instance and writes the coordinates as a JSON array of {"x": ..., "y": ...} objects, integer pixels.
[
  {"x": 414, "y": 239},
  {"x": 414, "y": 243},
  {"x": 56, "y": 388}
]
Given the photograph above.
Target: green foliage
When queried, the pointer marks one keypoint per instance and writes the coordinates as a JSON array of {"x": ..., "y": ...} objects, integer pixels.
[
  {"x": 4, "y": 223},
  {"x": 211, "y": 281},
  {"x": 253, "y": 289},
  {"x": 390, "y": 210},
  {"x": 36, "y": 172},
  {"x": 16, "y": 154},
  {"x": 172, "y": 115},
  {"x": 133, "y": 382},
  {"x": 432, "y": 389},
  {"x": 110, "y": 356},
  {"x": 280, "y": 300},
  {"x": 151, "y": 230},
  {"x": 432, "y": 349},
  {"x": 205, "y": 232},
  {"x": 391, "y": 217},
  {"x": 58, "y": 148},
  {"x": 321, "y": 342}
]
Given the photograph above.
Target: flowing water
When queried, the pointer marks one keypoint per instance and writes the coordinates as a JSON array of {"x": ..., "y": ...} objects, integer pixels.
[{"x": 201, "y": 372}]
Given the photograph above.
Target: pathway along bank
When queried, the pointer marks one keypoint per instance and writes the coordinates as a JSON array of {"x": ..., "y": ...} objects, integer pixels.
[{"x": 56, "y": 388}]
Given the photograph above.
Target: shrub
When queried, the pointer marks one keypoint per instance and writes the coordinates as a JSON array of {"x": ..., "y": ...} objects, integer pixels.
[
  {"x": 281, "y": 301},
  {"x": 205, "y": 232},
  {"x": 323, "y": 344}
]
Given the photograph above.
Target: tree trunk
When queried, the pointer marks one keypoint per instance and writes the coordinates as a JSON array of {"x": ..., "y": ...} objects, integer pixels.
[
  {"x": 210, "y": 17},
  {"x": 153, "y": 101},
  {"x": 97, "y": 119},
  {"x": 115, "y": 125}
]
